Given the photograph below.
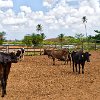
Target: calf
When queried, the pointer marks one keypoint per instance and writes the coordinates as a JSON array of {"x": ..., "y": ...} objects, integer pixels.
[
  {"x": 79, "y": 58},
  {"x": 6, "y": 59}
]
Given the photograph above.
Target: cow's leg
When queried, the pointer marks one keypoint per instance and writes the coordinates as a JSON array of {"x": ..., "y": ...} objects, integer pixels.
[
  {"x": 70, "y": 62},
  {"x": 4, "y": 79},
  {"x": 6, "y": 74},
  {"x": 73, "y": 66},
  {"x": 53, "y": 61},
  {"x": 82, "y": 68},
  {"x": 76, "y": 66},
  {"x": 79, "y": 68},
  {"x": 2, "y": 86},
  {"x": 67, "y": 62}
]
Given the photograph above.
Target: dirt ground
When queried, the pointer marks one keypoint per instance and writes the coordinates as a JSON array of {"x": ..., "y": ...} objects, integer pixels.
[{"x": 35, "y": 78}]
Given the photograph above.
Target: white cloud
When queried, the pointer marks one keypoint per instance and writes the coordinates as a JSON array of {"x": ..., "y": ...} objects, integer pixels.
[
  {"x": 25, "y": 9},
  {"x": 60, "y": 18},
  {"x": 6, "y": 3},
  {"x": 14, "y": 21}
]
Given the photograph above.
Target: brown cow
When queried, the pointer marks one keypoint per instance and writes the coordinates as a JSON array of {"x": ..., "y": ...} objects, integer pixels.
[{"x": 59, "y": 54}]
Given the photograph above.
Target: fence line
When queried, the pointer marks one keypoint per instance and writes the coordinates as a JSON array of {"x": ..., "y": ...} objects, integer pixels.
[{"x": 29, "y": 49}]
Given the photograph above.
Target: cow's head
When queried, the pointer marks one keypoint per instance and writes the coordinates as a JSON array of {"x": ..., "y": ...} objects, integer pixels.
[
  {"x": 14, "y": 58},
  {"x": 45, "y": 52},
  {"x": 87, "y": 56}
]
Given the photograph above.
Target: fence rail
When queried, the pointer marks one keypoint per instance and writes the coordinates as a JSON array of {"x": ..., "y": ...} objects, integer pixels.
[{"x": 34, "y": 50}]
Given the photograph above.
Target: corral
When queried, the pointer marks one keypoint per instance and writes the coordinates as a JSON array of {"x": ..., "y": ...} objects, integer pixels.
[{"x": 35, "y": 78}]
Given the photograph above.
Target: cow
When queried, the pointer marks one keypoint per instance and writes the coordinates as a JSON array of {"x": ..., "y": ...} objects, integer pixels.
[
  {"x": 20, "y": 53},
  {"x": 47, "y": 52},
  {"x": 6, "y": 59},
  {"x": 79, "y": 58},
  {"x": 23, "y": 51},
  {"x": 58, "y": 54},
  {"x": 68, "y": 60}
]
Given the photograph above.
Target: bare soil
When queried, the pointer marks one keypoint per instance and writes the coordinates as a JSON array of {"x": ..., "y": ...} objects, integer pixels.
[{"x": 35, "y": 78}]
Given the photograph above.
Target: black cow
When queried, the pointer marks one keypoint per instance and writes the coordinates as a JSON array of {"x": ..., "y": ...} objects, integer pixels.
[
  {"x": 79, "y": 58},
  {"x": 6, "y": 59}
]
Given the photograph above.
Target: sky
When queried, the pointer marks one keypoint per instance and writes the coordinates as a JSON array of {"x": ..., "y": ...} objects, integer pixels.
[{"x": 20, "y": 17}]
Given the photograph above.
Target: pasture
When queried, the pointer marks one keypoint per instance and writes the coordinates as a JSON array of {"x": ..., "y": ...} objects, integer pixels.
[{"x": 35, "y": 78}]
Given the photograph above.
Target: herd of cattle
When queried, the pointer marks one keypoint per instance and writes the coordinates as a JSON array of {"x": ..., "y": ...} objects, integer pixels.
[{"x": 6, "y": 59}]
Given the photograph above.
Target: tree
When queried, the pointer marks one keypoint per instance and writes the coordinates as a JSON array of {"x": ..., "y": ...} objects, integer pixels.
[
  {"x": 97, "y": 31},
  {"x": 39, "y": 28},
  {"x": 43, "y": 36},
  {"x": 61, "y": 38},
  {"x": 97, "y": 37},
  {"x": 84, "y": 19},
  {"x": 36, "y": 39},
  {"x": 27, "y": 40},
  {"x": 79, "y": 36},
  {"x": 2, "y": 37}
]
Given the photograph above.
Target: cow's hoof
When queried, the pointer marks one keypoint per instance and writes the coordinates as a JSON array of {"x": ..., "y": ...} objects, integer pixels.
[
  {"x": 82, "y": 72},
  {"x": 2, "y": 96}
]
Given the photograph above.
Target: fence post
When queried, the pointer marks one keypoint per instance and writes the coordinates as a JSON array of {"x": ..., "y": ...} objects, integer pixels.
[{"x": 95, "y": 45}]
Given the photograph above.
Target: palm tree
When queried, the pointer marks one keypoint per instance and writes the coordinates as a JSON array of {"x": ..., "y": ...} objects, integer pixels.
[
  {"x": 39, "y": 28},
  {"x": 97, "y": 31},
  {"x": 84, "y": 19},
  {"x": 61, "y": 38}
]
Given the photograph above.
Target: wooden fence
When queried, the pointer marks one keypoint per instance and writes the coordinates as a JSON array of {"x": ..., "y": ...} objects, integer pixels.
[{"x": 39, "y": 50}]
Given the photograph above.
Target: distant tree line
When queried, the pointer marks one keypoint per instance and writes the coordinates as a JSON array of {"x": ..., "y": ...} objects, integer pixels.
[{"x": 37, "y": 39}]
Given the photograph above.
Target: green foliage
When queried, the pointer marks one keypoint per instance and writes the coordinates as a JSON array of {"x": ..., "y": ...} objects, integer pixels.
[
  {"x": 43, "y": 36},
  {"x": 27, "y": 40},
  {"x": 69, "y": 40},
  {"x": 79, "y": 36},
  {"x": 61, "y": 37},
  {"x": 37, "y": 39},
  {"x": 97, "y": 37},
  {"x": 2, "y": 37},
  {"x": 97, "y": 31}
]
